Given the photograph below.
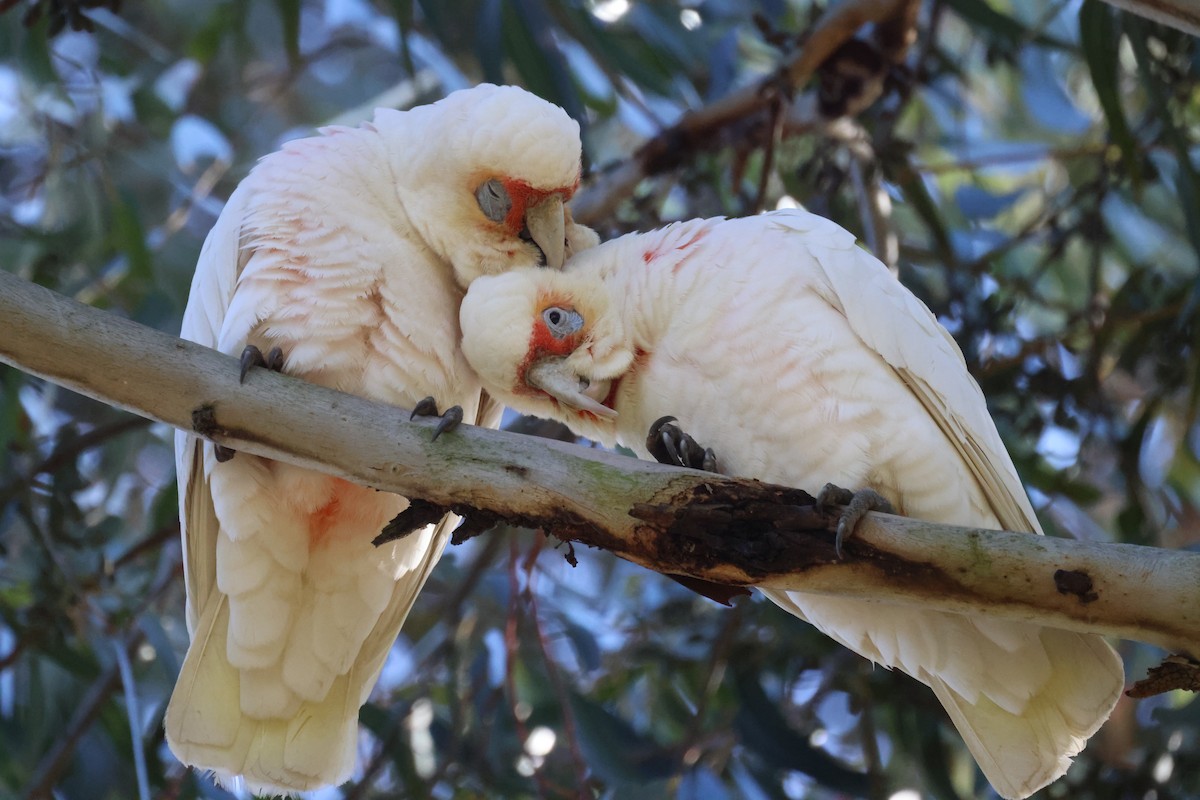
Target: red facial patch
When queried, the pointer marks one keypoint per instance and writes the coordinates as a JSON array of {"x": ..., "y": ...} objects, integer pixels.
[
  {"x": 543, "y": 343},
  {"x": 523, "y": 198}
]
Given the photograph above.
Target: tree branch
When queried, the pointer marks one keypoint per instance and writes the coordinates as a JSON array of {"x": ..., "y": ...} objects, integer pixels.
[
  {"x": 678, "y": 521},
  {"x": 1181, "y": 14},
  {"x": 698, "y": 129}
]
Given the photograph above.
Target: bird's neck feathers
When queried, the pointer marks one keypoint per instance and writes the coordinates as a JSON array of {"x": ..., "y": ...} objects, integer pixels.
[{"x": 646, "y": 275}]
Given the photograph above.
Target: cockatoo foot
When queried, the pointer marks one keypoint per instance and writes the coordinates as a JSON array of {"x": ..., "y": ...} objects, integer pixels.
[
  {"x": 668, "y": 443},
  {"x": 451, "y": 418},
  {"x": 253, "y": 357},
  {"x": 857, "y": 504}
]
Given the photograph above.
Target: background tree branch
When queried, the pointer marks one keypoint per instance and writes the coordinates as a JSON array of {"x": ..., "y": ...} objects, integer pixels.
[
  {"x": 1181, "y": 14},
  {"x": 702, "y": 128},
  {"x": 1041, "y": 205},
  {"x": 670, "y": 520}
]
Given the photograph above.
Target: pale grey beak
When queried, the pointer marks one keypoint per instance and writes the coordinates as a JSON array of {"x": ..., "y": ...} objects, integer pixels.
[
  {"x": 547, "y": 227},
  {"x": 553, "y": 377}
]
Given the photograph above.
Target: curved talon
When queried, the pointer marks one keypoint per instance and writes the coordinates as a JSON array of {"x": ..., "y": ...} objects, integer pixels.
[
  {"x": 275, "y": 359},
  {"x": 451, "y": 418},
  {"x": 424, "y": 408},
  {"x": 253, "y": 357},
  {"x": 857, "y": 505},
  {"x": 657, "y": 441},
  {"x": 223, "y": 453},
  {"x": 668, "y": 443}
]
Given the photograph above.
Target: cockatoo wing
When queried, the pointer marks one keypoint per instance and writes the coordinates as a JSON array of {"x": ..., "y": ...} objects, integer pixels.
[
  {"x": 350, "y": 251},
  {"x": 890, "y": 320},
  {"x": 1024, "y": 698},
  {"x": 257, "y": 265},
  {"x": 776, "y": 341},
  {"x": 212, "y": 290}
]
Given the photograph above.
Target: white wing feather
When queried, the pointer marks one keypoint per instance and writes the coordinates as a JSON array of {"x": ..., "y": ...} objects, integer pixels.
[
  {"x": 837, "y": 373},
  {"x": 212, "y": 289},
  {"x": 890, "y": 320},
  {"x": 211, "y": 721},
  {"x": 1024, "y": 698}
]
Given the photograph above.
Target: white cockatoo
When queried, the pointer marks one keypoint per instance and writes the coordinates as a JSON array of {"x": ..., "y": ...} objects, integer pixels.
[
  {"x": 799, "y": 359},
  {"x": 349, "y": 252}
]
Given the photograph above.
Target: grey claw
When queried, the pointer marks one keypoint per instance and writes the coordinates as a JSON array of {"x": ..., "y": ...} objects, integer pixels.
[
  {"x": 452, "y": 417},
  {"x": 857, "y": 505},
  {"x": 223, "y": 453},
  {"x": 657, "y": 440},
  {"x": 668, "y": 443},
  {"x": 253, "y": 357},
  {"x": 840, "y": 537},
  {"x": 274, "y": 360},
  {"x": 424, "y": 408}
]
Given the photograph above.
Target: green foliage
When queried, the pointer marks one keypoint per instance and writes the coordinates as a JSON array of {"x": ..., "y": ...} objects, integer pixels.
[{"x": 1040, "y": 161}]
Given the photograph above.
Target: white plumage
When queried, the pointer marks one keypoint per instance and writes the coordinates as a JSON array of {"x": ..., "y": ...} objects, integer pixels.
[
  {"x": 799, "y": 359},
  {"x": 350, "y": 251}
]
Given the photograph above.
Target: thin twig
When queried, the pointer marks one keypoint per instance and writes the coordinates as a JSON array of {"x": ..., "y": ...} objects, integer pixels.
[
  {"x": 774, "y": 134},
  {"x": 67, "y": 450},
  {"x": 712, "y": 677},
  {"x": 50, "y": 768},
  {"x": 133, "y": 714},
  {"x": 582, "y": 779},
  {"x": 698, "y": 129},
  {"x": 11, "y": 657},
  {"x": 510, "y": 659}
]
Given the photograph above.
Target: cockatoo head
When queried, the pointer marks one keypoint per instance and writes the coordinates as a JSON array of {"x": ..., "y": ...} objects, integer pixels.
[
  {"x": 549, "y": 343},
  {"x": 484, "y": 175}
]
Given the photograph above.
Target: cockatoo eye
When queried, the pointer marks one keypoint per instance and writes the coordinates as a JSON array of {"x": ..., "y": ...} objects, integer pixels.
[
  {"x": 493, "y": 200},
  {"x": 562, "y": 322}
]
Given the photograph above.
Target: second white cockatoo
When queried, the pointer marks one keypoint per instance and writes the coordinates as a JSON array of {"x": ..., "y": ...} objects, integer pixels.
[
  {"x": 345, "y": 256},
  {"x": 797, "y": 357}
]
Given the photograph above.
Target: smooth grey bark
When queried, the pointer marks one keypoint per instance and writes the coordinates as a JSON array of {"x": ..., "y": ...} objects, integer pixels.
[{"x": 677, "y": 521}]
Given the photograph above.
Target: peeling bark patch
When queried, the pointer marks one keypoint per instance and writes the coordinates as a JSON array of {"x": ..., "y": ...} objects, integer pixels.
[
  {"x": 722, "y": 533},
  {"x": 1176, "y": 672},
  {"x": 717, "y": 592},
  {"x": 204, "y": 423},
  {"x": 1070, "y": 581},
  {"x": 417, "y": 515},
  {"x": 564, "y": 524},
  {"x": 716, "y": 524},
  {"x": 204, "y": 420},
  {"x": 570, "y": 555}
]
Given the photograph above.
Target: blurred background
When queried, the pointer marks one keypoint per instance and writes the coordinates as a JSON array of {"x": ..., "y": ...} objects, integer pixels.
[{"x": 1028, "y": 167}]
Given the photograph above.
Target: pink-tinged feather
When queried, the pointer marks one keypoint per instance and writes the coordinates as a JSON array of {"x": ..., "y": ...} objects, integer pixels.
[
  {"x": 800, "y": 360},
  {"x": 350, "y": 251}
]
